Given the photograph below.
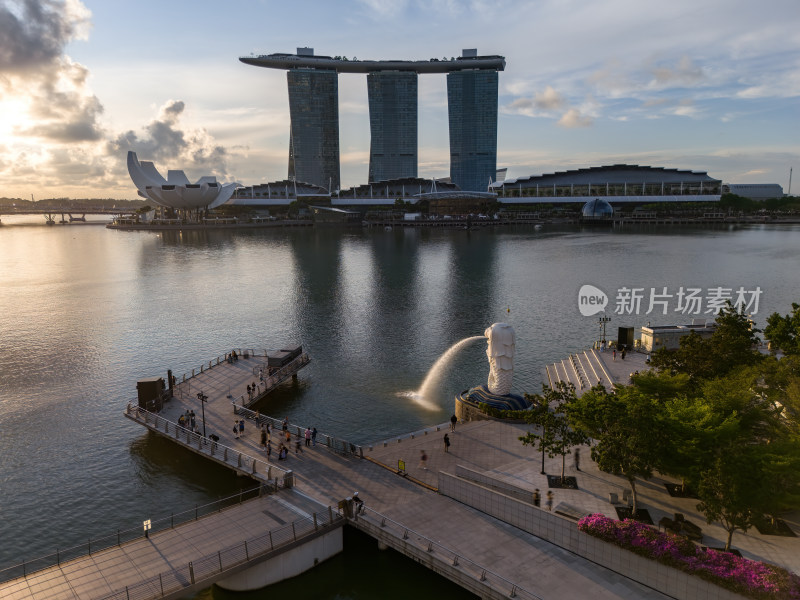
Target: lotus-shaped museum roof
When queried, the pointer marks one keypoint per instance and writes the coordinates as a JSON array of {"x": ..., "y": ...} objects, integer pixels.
[{"x": 175, "y": 191}]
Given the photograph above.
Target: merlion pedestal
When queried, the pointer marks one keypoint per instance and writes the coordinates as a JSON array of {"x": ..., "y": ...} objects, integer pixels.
[{"x": 496, "y": 393}]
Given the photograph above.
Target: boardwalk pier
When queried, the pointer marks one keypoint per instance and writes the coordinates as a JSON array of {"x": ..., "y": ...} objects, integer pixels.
[{"x": 466, "y": 514}]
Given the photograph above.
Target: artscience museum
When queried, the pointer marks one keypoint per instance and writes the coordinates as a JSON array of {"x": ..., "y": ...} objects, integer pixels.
[{"x": 176, "y": 192}]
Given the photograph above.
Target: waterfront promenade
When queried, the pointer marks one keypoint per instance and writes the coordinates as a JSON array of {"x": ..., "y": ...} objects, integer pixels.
[{"x": 322, "y": 477}]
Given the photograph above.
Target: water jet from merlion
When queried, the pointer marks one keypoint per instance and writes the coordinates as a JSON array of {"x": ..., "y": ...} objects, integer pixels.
[{"x": 424, "y": 395}]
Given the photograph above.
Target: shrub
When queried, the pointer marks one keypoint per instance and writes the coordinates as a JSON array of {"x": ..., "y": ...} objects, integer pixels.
[{"x": 747, "y": 577}]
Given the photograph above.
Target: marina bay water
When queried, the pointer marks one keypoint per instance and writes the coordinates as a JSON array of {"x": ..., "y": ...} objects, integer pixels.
[{"x": 85, "y": 312}]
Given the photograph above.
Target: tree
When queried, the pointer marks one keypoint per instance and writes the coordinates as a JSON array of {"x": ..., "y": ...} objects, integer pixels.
[
  {"x": 731, "y": 346},
  {"x": 625, "y": 430},
  {"x": 548, "y": 412},
  {"x": 784, "y": 331},
  {"x": 728, "y": 488}
]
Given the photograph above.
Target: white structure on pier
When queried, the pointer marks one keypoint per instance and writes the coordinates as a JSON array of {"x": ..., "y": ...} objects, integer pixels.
[{"x": 175, "y": 191}]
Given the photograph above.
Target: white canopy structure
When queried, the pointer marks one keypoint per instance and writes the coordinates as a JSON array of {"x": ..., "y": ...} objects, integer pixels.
[{"x": 175, "y": 191}]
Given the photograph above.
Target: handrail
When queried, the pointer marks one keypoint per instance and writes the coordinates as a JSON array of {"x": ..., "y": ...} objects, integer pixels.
[
  {"x": 230, "y": 456},
  {"x": 466, "y": 565},
  {"x": 410, "y": 436},
  {"x": 209, "y": 567},
  {"x": 338, "y": 445},
  {"x": 27, "y": 567},
  {"x": 603, "y": 368},
  {"x": 578, "y": 374},
  {"x": 591, "y": 366}
]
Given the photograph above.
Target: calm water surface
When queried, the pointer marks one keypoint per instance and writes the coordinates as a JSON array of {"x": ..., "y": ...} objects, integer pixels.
[{"x": 85, "y": 312}]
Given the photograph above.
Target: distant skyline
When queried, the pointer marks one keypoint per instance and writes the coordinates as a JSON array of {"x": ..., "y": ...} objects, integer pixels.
[{"x": 711, "y": 86}]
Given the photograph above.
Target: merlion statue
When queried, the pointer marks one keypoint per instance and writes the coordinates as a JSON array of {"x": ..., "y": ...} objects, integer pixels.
[{"x": 500, "y": 352}]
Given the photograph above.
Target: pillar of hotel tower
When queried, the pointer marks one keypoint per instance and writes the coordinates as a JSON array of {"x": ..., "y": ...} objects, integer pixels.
[
  {"x": 472, "y": 111},
  {"x": 393, "y": 124},
  {"x": 314, "y": 129}
]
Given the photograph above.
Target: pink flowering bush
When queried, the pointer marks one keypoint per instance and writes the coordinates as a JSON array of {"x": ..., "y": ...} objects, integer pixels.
[{"x": 741, "y": 575}]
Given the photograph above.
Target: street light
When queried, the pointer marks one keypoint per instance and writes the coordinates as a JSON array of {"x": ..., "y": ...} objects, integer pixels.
[
  {"x": 203, "y": 399},
  {"x": 602, "y": 321}
]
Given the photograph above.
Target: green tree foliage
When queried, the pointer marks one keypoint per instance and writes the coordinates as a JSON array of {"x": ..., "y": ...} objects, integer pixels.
[
  {"x": 555, "y": 437},
  {"x": 784, "y": 331},
  {"x": 728, "y": 488},
  {"x": 731, "y": 346},
  {"x": 627, "y": 438}
]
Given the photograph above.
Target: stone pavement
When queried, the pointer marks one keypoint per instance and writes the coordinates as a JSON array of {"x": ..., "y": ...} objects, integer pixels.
[
  {"x": 494, "y": 447},
  {"x": 528, "y": 561}
]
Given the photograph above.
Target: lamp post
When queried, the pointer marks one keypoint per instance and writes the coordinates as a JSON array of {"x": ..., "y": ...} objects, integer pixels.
[
  {"x": 203, "y": 399},
  {"x": 602, "y": 321}
]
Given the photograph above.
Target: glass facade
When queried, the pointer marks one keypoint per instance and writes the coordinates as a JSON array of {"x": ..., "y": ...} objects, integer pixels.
[
  {"x": 314, "y": 130},
  {"x": 472, "y": 110},
  {"x": 392, "y": 124}
]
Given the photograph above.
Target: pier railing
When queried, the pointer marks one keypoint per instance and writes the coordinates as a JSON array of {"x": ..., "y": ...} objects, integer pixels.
[
  {"x": 375, "y": 523},
  {"x": 273, "y": 475},
  {"x": 96, "y": 544},
  {"x": 338, "y": 445},
  {"x": 212, "y": 567}
]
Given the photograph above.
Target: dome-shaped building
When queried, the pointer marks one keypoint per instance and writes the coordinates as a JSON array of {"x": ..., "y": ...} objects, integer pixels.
[{"x": 597, "y": 210}]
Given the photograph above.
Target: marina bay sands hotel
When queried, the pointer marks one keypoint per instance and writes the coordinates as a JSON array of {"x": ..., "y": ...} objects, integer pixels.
[{"x": 392, "y": 89}]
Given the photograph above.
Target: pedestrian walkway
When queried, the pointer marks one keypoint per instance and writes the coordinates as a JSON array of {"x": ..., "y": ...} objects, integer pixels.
[{"x": 494, "y": 447}]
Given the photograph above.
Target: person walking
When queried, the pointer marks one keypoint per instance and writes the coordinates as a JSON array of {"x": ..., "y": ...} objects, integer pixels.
[
  {"x": 537, "y": 499},
  {"x": 423, "y": 460},
  {"x": 241, "y": 427},
  {"x": 453, "y": 421},
  {"x": 446, "y": 443},
  {"x": 614, "y": 354},
  {"x": 577, "y": 459},
  {"x": 236, "y": 429},
  {"x": 263, "y": 437},
  {"x": 269, "y": 451},
  {"x": 549, "y": 502}
]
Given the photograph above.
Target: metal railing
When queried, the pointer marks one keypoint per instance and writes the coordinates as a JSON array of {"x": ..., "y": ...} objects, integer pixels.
[
  {"x": 209, "y": 567},
  {"x": 410, "y": 436},
  {"x": 121, "y": 536},
  {"x": 338, "y": 445},
  {"x": 255, "y": 467},
  {"x": 409, "y": 537}
]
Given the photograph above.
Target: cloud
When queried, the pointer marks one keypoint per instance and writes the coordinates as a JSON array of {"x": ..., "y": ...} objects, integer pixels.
[
  {"x": 684, "y": 74},
  {"x": 33, "y": 34},
  {"x": 541, "y": 104},
  {"x": 573, "y": 119},
  {"x": 165, "y": 141}
]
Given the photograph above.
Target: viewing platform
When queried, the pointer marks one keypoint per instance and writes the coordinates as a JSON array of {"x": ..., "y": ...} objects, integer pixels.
[{"x": 466, "y": 512}]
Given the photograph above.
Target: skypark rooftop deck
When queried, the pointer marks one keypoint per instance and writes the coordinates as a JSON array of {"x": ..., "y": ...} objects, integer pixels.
[{"x": 343, "y": 65}]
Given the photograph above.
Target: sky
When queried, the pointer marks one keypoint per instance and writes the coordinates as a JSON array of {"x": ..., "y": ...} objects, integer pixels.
[{"x": 708, "y": 85}]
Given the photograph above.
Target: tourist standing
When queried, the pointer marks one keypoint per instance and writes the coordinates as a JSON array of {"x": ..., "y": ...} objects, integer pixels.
[
  {"x": 308, "y": 437},
  {"x": 453, "y": 421},
  {"x": 314, "y": 436},
  {"x": 614, "y": 354},
  {"x": 241, "y": 427},
  {"x": 549, "y": 502},
  {"x": 236, "y": 429},
  {"x": 446, "y": 443},
  {"x": 537, "y": 499}
]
